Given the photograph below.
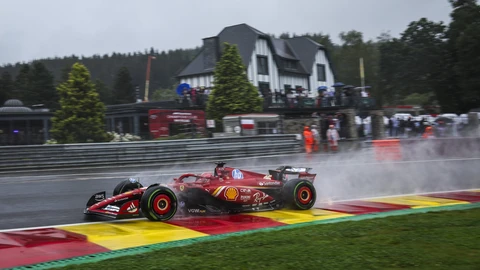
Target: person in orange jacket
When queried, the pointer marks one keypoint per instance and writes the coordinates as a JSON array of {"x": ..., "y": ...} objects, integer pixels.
[
  {"x": 428, "y": 133},
  {"x": 308, "y": 138}
]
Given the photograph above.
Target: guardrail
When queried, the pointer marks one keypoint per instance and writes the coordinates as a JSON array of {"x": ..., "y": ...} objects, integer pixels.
[{"x": 151, "y": 152}]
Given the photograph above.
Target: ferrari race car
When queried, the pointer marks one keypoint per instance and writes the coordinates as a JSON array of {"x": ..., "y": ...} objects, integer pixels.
[{"x": 226, "y": 191}]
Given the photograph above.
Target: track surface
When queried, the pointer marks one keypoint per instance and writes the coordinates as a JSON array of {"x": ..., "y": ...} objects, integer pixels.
[{"x": 58, "y": 197}]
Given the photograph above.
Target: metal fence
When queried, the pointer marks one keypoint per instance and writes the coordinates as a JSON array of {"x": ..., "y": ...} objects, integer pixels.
[{"x": 152, "y": 152}]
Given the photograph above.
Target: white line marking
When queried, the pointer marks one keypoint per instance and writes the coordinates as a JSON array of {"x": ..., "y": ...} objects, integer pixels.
[{"x": 136, "y": 219}]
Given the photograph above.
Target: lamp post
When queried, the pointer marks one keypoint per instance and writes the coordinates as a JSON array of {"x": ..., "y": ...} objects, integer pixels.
[{"x": 147, "y": 81}]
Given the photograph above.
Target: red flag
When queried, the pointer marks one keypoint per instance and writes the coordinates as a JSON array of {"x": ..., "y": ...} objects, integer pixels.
[{"x": 247, "y": 124}]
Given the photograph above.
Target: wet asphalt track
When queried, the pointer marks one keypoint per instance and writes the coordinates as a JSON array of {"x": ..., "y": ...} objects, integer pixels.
[{"x": 58, "y": 197}]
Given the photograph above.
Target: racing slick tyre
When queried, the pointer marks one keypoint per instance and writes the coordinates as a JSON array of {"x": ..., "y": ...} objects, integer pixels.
[
  {"x": 158, "y": 203},
  {"x": 299, "y": 194},
  {"x": 126, "y": 185}
]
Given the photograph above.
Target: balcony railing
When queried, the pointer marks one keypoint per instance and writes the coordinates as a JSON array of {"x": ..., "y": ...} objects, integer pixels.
[{"x": 200, "y": 101}]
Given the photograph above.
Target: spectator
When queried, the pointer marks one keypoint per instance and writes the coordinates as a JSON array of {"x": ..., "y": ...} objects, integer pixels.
[
  {"x": 333, "y": 137},
  {"x": 316, "y": 138},
  {"x": 308, "y": 139}
]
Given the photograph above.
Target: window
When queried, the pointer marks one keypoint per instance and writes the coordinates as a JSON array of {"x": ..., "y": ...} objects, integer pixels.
[
  {"x": 267, "y": 127},
  {"x": 262, "y": 65},
  {"x": 321, "y": 77},
  {"x": 290, "y": 64}
]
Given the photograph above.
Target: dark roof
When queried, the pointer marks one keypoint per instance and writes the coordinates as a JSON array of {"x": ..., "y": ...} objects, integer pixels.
[
  {"x": 243, "y": 35},
  {"x": 306, "y": 50},
  {"x": 195, "y": 66},
  {"x": 283, "y": 49},
  {"x": 302, "y": 50}
]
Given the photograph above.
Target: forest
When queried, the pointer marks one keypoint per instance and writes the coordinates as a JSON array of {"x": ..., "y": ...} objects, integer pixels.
[{"x": 429, "y": 63}]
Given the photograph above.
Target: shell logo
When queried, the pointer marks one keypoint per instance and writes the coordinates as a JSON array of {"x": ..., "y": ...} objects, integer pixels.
[{"x": 231, "y": 193}]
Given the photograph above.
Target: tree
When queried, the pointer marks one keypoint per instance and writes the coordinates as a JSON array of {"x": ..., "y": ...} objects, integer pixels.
[
  {"x": 164, "y": 94},
  {"x": 6, "y": 87},
  {"x": 232, "y": 92},
  {"x": 22, "y": 82},
  {"x": 41, "y": 88},
  {"x": 414, "y": 63},
  {"x": 124, "y": 91},
  {"x": 104, "y": 93},
  {"x": 348, "y": 55},
  {"x": 463, "y": 56},
  {"x": 81, "y": 117}
]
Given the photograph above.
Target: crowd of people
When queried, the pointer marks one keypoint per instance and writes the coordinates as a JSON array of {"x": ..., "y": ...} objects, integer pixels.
[{"x": 290, "y": 98}]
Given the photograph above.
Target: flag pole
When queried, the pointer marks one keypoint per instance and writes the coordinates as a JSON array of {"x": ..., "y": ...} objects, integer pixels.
[
  {"x": 362, "y": 74},
  {"x": 147, "y": 81}
]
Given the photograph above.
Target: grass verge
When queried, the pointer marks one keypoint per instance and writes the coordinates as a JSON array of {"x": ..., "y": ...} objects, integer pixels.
[{"x": 436, "y": 240}]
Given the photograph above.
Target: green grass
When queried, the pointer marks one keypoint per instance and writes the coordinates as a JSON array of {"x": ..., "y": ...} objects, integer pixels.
[{"x": 437, "y": 240}]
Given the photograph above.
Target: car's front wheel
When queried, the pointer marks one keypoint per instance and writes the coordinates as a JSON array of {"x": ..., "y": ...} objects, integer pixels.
[{"x": 158, "y": 203}]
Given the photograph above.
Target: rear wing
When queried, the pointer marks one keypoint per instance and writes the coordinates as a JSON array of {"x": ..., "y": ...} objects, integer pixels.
[
  {"x": 281, "y": 173},
  {"x": 294, "y": 170}
]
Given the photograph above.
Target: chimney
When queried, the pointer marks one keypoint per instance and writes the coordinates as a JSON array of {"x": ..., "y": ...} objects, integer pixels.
[{"x": 211, "y": 52}]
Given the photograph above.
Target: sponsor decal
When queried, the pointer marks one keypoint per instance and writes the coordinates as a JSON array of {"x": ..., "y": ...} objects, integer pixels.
[
  {"x": 267, "y": 177},
  {"x": 182, "y": 204},
  {"x": 198, "y": 211},
  {"x": 272, "y": 183},
  {"x": 132, "y": 208},
  {"x": 121, "y": 199},
  {"x": 237, "y": 174},
  {"x": 245, "y": 198},
  {"x": 99, "y": 197},
  {"x": 112, "y": 208},
  {"x": 259, "y": 197},
  {"x": 218, "y": 191},
  {"x": 231, "y": 193},
  {"x": 182, "y": 187},
  {"x": 245, "y": 190},
  {"x": 153, "y": 116}
]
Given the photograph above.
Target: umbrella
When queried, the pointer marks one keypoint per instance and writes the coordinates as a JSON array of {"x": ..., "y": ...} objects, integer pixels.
[
  {"x": 348, "y": 86},
  {"x": 338, "y": 84},
  {"x": 444, "y": 119},
  {"x": 181, "y": 87},
  {"x": 322, "y": 88}
]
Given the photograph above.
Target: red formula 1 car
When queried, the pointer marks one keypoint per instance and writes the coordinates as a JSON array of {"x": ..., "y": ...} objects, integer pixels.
[{"x": 227, "y": 190}]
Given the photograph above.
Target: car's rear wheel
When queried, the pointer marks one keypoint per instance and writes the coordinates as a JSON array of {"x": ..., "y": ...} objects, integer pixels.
[
  {"x": 299, "y": 194},
  {"x": 125, "y": 186},
  {"x": 158, "y": 203}
]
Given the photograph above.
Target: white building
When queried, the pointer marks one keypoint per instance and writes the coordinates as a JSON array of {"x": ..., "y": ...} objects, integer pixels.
[{"x": 275, "y": 64}]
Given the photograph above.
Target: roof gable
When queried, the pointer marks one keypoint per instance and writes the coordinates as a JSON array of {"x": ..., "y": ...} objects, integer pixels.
[{"x": 301, "y": 50}]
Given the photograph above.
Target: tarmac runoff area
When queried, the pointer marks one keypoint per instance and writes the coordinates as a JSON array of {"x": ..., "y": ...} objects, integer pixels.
[
  {"x": 47, "y": 247},
  {"x": 48, "y": 206}
]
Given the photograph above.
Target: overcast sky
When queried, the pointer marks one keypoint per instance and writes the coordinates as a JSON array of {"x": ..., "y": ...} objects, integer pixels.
[{"x": 32, "y": 29}]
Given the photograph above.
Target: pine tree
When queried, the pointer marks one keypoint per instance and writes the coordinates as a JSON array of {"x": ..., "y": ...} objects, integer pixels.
[
  {"x": 42, "y": 88},
  {"x": 104, "y": 93},
  {"x": 464, "y": 55},
  {"x": 124, "y": 91},
  {"x": 6, "y": 87},
  {"x": 22, "y": 82},
  {"x": 232, "y": 92},
  {"x": 81, "y": 117}
]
